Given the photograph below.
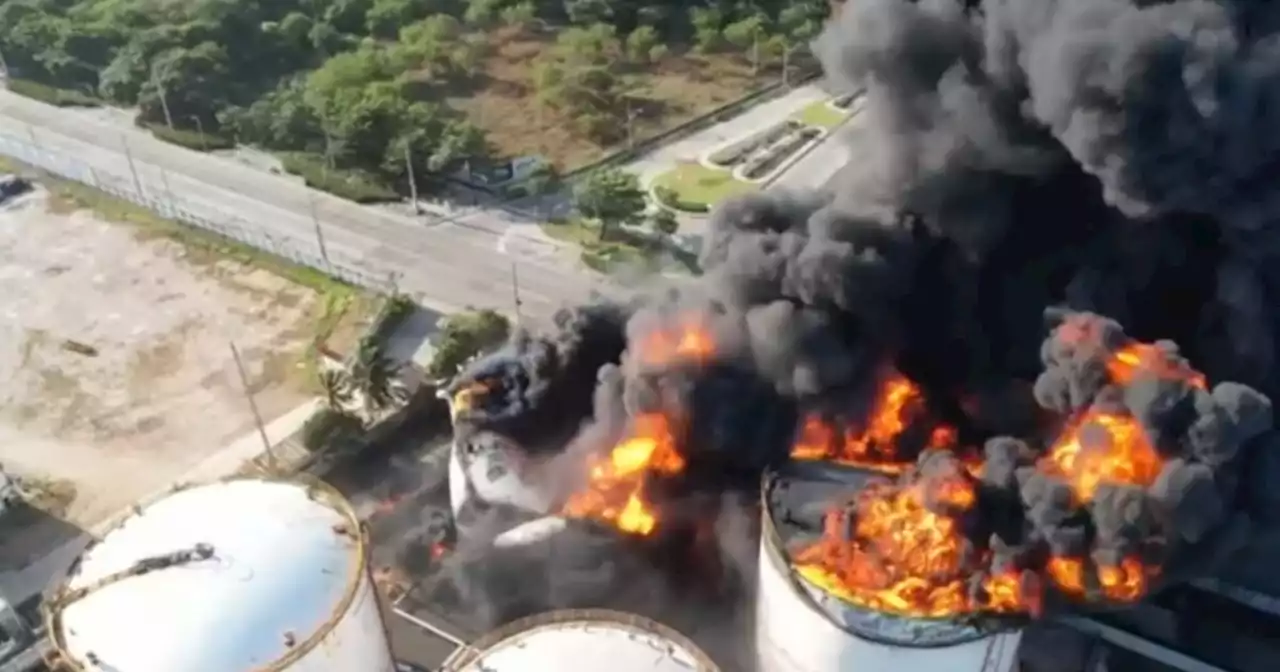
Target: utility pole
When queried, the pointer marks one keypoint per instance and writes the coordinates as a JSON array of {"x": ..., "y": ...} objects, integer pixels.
[
  {"x": 133, "y": 168},
  {"x": 755, "y": 53},
  {"x": 631, "y": 128},
  {"x": 168, "y": 192},
  {"x": 253, "y": 407},
  {"x": 413, "y": 180},
  {"x": 515, "y": 292},
  {"x": 328, "y": 148},
  {"x": 315, "y": 220},
  {"x": 164, "y": 98},
  {"x": 204, "y": 144}
]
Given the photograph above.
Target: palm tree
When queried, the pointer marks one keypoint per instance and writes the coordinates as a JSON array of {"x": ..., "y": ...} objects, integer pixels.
[
  {"x": 375, "y": 376},
  {"x": 335, "y": 385}
]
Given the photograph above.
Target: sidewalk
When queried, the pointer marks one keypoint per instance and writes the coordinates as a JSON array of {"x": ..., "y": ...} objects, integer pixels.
[{"x": 20, "y": 585}]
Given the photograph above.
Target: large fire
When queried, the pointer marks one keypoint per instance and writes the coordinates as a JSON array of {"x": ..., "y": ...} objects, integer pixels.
[
  {"x": 873, "y": 444},
  {"x": 616, "y": 490},
  {"x": 897, "y": 547}
]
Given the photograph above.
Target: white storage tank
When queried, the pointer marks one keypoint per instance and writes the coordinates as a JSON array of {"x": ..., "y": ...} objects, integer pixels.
[
  {"x": 587, "y": 639},
  {"x": 242, "y": 575},
  {"x": 488, "y": 470},
  {"x": 802, "y": 628}
]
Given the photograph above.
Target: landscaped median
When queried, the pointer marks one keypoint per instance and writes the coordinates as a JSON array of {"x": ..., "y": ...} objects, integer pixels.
[
  {"x": 694, "y": 187},
  {"x": 821, "y": 114},
  {"x": 620, "y": 248}
]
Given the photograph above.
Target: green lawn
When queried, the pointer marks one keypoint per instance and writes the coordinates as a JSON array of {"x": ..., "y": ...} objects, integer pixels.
[
  {"x": 821, "y": 114},
  {"x": 622, "y": 250},
  {"x": 695, "y": 187}
]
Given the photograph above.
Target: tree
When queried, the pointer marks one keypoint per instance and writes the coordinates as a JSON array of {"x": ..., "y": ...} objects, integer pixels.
[
  {"x": 463, "y": 336},
  {"x": 544, "y": 180},
  {"x": 747, "y": 34},
  {"x": 664, "y": 222},
  {"x": 520, "y": 15},
  {"x": 644, "y": 46},
  {"x": 327, "y": 428},
  {"x": 707, "y": 23},
  {"x": 374, "y": 377},
  {"x": 611, "y": 197},
  {"x": 581, "y": 76},
  {"x": 335, "y": 387}
]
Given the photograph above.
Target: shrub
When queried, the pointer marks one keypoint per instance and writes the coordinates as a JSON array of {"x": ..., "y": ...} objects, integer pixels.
[
  {"x": 671, "y": 198},
  {"x": 327, "y": 429},
  {"x": 52, "y": 95},
  {"x": 352, "y": 185},
  {"x": 464, "y": 336},
  {"x": 398, "y": 308},
  {"x": 206, "y": 142}
]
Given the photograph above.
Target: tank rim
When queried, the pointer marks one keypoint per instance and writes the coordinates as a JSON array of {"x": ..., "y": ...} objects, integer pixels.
[
  {"x": 469, "y": 653},
  {"x": 771, "y": 541},
  {"x": 318, "y": 490}
]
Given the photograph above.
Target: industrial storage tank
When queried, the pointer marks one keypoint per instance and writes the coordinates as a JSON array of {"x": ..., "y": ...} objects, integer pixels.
[
  {"x": 586, "y": 639},
  {"x": 488, "y": 471},
  {"x": 238, "y": 575},
  {"x": 800, "y": 627}
]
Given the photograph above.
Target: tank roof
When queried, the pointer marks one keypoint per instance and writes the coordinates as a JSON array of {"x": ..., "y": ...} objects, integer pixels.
[
  {"x": 243, "y": 573},
  {"x": 586, "y": 640}
]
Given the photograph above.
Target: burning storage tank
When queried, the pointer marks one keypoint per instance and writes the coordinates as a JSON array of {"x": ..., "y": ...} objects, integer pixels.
[
  {"x": 803, "y": 626},
  {"x": 589, "y": 639},
  {"x": 487, "y": 471},
  {"x": 232, "y": 576}
]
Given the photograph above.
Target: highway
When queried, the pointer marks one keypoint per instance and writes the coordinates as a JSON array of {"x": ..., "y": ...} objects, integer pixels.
[{"x": 447, "y": 266}]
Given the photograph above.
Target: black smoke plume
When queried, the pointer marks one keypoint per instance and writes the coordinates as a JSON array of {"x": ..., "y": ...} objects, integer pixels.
[{"x": 1104, "y": 156}]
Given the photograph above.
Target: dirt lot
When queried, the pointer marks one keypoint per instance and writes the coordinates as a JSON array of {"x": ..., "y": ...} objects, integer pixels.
[
  {"x": 506, "y": 107},
  {"x": 114, "y": 351}
]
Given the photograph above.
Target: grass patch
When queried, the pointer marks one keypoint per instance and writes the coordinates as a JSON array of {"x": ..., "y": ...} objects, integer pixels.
[
  {"x": 821, "y": 114},
  {"x": 693, "y": 187},
  {"x": 52, "y": 95},
  {"x": 621, "y": 249},
  {"x": 352, "y": 185},
  {"x": 200, "y": 142}
]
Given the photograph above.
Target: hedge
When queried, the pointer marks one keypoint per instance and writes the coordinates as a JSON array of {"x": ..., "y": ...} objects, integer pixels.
[
  {"x": 352, "y": 185},
  {"x": 190, "y": 139},
  {"x": 52, "y": 95}
]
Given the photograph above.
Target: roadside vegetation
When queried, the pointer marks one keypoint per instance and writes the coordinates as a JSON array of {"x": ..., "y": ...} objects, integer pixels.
[
  {"x": 694, "y": 188},
  {"x": 361, "y": 94}
]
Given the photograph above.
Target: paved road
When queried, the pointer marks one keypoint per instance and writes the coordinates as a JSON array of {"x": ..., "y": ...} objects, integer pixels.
[{"x": 449, "y": 265}]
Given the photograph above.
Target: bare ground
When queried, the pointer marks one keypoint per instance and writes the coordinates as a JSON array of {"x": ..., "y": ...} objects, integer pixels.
[
  {"x": 505, "y": 105},
  {"x": 115, "y": 352}
]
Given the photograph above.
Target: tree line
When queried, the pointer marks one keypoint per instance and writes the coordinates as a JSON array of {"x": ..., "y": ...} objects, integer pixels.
[{"x": 358, "y": 83}]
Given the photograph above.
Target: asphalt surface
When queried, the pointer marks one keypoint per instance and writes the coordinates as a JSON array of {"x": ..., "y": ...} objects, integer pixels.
[{"x": 448, "y": 266}]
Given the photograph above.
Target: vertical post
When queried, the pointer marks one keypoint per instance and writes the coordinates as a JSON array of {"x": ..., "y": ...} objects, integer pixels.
[
  {"x": 755, "y": 53},
  {"x": 253, "y": 407},
  {"x": 133, "y": 168},
  {"x": 4, "y": 66},
  {"x": 168, "y": 192},
  {"x": 786, "y": 67},
  {"x": 515, "y": 292},
  {"x": 164, "y": 98},
  {"x": 315, "y": 220},
  {"x": 631, "y": 131},
  {"x": 413, "y": 179},
  {"x": 328, "y": 148},
  {"x": 204, "y": 143}
]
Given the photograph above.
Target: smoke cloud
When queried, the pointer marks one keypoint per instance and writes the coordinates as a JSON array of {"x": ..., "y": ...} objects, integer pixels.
[{"x": 1107, "y": 159}]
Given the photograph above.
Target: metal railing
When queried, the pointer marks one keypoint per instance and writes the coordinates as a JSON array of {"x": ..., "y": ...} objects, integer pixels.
[{"x": 172, "y": 205}]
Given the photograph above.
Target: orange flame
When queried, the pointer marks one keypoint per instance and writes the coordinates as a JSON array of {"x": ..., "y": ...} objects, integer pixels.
[
  {"x": 1138, "y": 358},
  {"x": 1103, "y": 448},
  {"x": 616, "y": 490},
  {"x": 898, "y": 402},
  {"x": 1125, "y": 582},
  {"x": 900, "y": 548},
  {"x": 690, "y": 340},
  {"x": 900, "y": 551}
]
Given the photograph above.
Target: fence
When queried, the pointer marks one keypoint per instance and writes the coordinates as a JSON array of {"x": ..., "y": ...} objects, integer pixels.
[{"x": 193, "y": 212}]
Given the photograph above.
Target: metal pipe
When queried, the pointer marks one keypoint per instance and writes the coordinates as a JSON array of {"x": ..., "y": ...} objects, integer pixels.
[{"x": 1139, "y": 645}]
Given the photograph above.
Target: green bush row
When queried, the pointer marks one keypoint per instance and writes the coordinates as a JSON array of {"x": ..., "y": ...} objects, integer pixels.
[
  {"x": 203, "y": 142},
  {"x": 349, "y": 184},
  {"x": 671, "y": 198},
  {"x": 52, "y": 95}
]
